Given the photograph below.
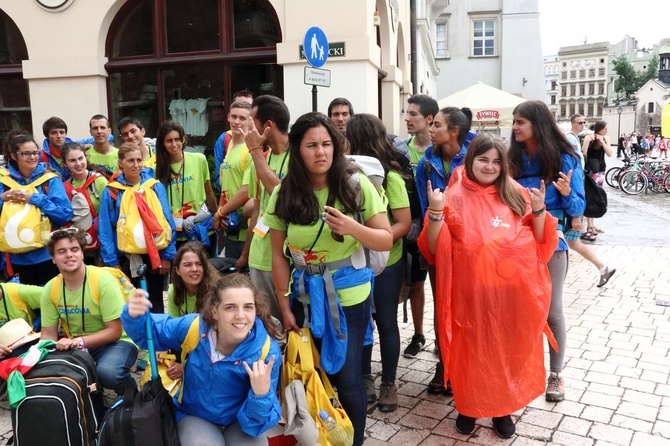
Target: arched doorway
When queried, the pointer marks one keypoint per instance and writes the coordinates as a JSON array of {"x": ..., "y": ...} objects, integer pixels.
[
  {"x": 183, "y": 59},
  {"x": 14, "y": 97}
]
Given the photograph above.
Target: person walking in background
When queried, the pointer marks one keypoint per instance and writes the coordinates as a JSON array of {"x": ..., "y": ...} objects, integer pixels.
[
  {"x": 489, "y": 240},
  {"x": 574, "y": 230},
  {"x": 540, "y": 152},
  {"x": 595, "y": 147}
]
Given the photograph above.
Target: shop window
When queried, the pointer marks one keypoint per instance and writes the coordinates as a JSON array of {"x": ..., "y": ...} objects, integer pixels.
[
  {"x": 134, "y": 36},
  {"x": 254, "y": 24},
  {"x": 188, "y": 63},
  {"x": 193, "y": 25},
  {"x": 14, "y": 97}
]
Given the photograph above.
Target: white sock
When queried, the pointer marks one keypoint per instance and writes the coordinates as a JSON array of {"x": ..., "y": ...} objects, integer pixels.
[{"x": 603, "y": 270}]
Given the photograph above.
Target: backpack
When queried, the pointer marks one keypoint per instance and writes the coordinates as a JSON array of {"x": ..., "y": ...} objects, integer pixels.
[
  {"x": 133, "y": 225},
  {"x": 23, "y": 226},
  {"x": 596, "y": 198},
  {"x": 82, "y": 205},
  {"x": 59, "y": 407},
  {"x": 93, "y": 282},
  {"x": 371, "y": 168}
]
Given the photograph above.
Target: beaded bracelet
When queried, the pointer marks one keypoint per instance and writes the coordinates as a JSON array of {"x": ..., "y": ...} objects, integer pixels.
[{"x": 435, "y": 217}]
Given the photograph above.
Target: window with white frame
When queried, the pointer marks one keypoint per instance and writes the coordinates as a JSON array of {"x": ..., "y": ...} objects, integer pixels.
[
  {"x": 441, "y": 40},
  {"x": 483, "y": 37}
]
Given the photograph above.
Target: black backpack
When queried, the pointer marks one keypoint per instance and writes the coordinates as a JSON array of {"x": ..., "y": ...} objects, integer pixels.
[
  {"x": 144, "y": 418},
  {"x": 59, "y": 405},
  {"x": 596, "y": 198}
]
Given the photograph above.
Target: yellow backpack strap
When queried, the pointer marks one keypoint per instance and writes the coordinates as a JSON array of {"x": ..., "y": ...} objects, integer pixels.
[
  {"x": 187, "y": 346},
  {"x": 93, "y": 279},
  {"x": 43, "y": 179},
  {"x": 9, "y": 182},
  {"x": 266, "y": 349},
  {"x": 56, "y": 287},
  {"x": 191, "y": 340},
  {"x": 149, "y": 183}
]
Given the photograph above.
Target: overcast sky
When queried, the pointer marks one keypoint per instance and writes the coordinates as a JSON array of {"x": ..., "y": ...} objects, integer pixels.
[{"x": 569, "y": 22}]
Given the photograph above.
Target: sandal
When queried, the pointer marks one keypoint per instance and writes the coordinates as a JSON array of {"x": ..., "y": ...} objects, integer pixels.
[
  {"x": 588, "y": 236},
  {"x": 595, "y": 230}
]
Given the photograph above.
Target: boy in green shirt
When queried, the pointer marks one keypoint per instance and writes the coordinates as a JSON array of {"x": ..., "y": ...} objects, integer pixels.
[
  {"x": 90, "y": 323},
  {"x": 102, "y": 153}
]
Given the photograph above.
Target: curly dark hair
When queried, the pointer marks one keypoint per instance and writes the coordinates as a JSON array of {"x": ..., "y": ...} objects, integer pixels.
[{"x": 294, "y": 204}]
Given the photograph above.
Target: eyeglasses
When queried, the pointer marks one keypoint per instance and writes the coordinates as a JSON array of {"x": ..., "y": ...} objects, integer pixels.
[{"x": 28, "y": 154}]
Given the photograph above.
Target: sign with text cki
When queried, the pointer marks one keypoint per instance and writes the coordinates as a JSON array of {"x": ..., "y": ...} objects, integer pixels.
[{"x": 488, "y": 115}]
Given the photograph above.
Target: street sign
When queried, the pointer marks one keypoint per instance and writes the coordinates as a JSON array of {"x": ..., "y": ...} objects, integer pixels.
[
  {"x": 316, "y": 47},
  {"x": 335, "y": 49},
  {"x": 317, "y": 76}
]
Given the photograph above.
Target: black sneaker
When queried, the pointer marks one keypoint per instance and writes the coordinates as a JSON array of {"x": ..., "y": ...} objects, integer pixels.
[
  {"x": 436, "y": 385},
  {"x": 414, "y": 347},
  {"x": 504, "y": 426},
  {"x": 370, "y": 388},
  {"x": 464, "y": 424}
]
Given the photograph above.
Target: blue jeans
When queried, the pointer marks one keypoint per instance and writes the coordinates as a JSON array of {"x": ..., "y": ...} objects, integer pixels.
[
  {"x": 349, "y": 380},
  {"x": 386, "y": 295},
  {"x": 113, "y": 363},
  {"x": 194, "y": 431}
]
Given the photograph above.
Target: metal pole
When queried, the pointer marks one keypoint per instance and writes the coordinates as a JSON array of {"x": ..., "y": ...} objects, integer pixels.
[{"x": 315, "y": 102}]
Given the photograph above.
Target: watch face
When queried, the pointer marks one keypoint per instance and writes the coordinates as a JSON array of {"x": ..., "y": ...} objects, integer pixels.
[{"x": 54, "y": 5}]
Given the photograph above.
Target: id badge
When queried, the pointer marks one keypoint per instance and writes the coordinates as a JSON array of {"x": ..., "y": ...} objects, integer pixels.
[
  {"x": 177, "y": 220},
  {"x": 261, "y": 229},
  {"x": 296, "y": 254}
]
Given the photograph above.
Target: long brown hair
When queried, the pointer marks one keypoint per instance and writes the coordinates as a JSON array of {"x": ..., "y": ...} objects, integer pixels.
[
  {"x": 507, "y": 191},
  {"x": 237, "y": 280},
  {"x": 209, "y": 276}
]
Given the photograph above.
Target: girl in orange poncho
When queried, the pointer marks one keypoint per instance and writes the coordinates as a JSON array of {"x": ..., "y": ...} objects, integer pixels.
[{"x": 490, "y": 241}]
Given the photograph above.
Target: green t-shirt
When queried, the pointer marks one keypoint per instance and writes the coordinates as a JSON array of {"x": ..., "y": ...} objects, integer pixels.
[
  {"x": 414, "y": 154},
  {"x": 99, "y": 185},
  {"x": 233, "y": 168},
  {"x": 396, "y": 192},
  {"x": 186, "y": 192},
  {"x": 260, "y": 253},
  {"x": 186, "y": 307},
  {"x": 326, "y": 249},
  {"x": 107, "y": 160},
  {"x": 94, "y": 315},
  {"x": 28, "y": 296}
]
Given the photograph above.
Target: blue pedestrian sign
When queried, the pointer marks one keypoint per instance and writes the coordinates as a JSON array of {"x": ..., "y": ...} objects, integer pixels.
[{"x": 316, "y": 47}]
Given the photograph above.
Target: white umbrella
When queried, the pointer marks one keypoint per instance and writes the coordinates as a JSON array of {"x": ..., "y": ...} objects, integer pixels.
[{"x": 490, "y": 106}]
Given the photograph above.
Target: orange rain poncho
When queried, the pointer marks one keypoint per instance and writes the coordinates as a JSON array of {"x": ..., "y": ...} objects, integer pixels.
[{"x": 493, "y": 293}]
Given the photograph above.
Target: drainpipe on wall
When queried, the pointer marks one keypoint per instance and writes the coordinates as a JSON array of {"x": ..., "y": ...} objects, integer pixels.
[{"x": 413, "y": 56}]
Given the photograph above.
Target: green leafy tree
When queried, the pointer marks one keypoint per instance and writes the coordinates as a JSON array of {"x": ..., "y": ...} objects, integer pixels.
[
  {"x": 627, "y": 83},
  {"x": 630, "y": 80}
]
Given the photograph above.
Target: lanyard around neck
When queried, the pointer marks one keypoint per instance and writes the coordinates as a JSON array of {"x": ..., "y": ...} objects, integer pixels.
[{"x": 67, "y": 319}]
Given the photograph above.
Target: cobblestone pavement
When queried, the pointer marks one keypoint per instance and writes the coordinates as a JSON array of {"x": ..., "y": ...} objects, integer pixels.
[{"x": 616, "y": 375}]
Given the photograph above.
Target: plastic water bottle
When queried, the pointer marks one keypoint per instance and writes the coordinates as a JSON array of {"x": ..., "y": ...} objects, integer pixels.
[
  {"x": 127, "y": 288},
  {"x": 122, "y": 220},
  {"x": 233, "y": 222},
  {"x": 335, "y": 433}
]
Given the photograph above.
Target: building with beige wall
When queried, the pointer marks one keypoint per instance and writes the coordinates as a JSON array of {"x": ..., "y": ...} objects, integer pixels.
[{"x": 157, "y": 59}]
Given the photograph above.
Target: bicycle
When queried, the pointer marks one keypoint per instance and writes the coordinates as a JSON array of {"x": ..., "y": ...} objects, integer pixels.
[{"x": 642, "y": 176}]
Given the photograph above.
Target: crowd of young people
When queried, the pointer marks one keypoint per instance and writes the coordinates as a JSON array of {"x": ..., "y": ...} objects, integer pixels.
[{"x": 300, "y": 216}]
